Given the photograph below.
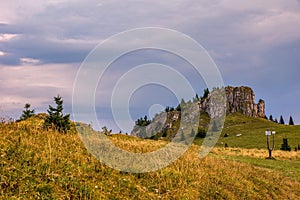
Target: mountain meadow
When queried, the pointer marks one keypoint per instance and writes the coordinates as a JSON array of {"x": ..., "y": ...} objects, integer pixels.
[{"x": 45, "y": 164}]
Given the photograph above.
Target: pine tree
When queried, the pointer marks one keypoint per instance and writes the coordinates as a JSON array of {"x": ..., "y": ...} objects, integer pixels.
[
  {"x": 271, "y": 118},
  {"x": 206, "y": 92},
  {"x": 291, "y": 121},
  {"x": 27, "y": 113},
  {"x": 178, "y": 108},
  {"x": 281, "y": 121},
  {"x": 201, "y": 133},
  {"x": 56, "y": 119}
]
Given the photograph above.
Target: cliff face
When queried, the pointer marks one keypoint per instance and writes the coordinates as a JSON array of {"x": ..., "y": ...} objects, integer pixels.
[{"x": 239, "y": 99}]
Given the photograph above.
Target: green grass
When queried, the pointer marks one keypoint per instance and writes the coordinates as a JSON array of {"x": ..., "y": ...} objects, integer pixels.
[
  {"x": 39, "y": 164},
  {"x": 284, "y": 162},
  {"x": 253, "y": 132}
]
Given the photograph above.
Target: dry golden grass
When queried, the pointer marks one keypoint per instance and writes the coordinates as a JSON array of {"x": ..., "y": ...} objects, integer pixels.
[
  {"x": 258, "y": 153},
  {"x": 39, "y": 164}
]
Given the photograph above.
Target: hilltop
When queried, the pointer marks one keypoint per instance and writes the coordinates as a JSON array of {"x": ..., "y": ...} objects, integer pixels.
[{"x": 244, "y": 117}]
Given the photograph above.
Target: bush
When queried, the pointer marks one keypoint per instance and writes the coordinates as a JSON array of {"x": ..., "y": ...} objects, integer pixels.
[{"x": 201, "y": 133}]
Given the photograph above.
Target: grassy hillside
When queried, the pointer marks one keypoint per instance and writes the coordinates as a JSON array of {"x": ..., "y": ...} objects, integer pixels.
[
  {"x": 38, "y": 164},
  {"x": 252, "y": 132}
]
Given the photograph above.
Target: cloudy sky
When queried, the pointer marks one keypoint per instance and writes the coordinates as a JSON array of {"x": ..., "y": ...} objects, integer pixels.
[{"x": 43, "y": 43}]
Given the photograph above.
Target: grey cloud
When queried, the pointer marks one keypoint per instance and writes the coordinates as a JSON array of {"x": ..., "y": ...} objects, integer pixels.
[{"x": 247, "y": 45}]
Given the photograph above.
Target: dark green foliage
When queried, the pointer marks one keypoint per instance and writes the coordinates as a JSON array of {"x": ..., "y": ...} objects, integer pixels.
[
  {"x": 285, "y": 146},
  {"x": 167, "y": 109},
  {"x": 226, "y": 135},
  {"x": 201, "y": 133},
  {"x": 143, "y": 121},
  {"x": 192, "y": 134},
  {"x": 205, "y": 94},
  {"x": 271, "y": 118},
  {"x": 56, "y": 119},
  {"x": 196, "y": 98},
  {"x": 26, "y": 113},
  {"x": 281, "y": 121},
  {"x": 298, "y": 146},
  {"x": 178, "y": 108},
  {"x": 291, "y": 121},
  {"x": 164, "y": 132},
  {"x": 276, "y": 121}
]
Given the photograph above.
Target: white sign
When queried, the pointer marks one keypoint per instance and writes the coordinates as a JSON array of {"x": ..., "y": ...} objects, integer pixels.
[{"x": 268, "y": 132}]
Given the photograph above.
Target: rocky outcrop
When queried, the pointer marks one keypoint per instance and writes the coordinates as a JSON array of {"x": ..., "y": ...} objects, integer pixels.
[
  {"x": 242, "y": 99},
  {"x": 238, "y": 99}
]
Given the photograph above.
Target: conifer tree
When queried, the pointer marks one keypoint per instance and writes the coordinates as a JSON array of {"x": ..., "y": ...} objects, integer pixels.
[
  {"x": 291, "y": 121},
  {"x": 26, "y": 113},
  {"x": 206, "y": 92},
  {"x": 178, "y": 108},
  {"x": 281, "y": 121},
  {"x": 56, "y": 119},
  {"x": 271, "y": 118},
  {"x": 201, "y": 133}
]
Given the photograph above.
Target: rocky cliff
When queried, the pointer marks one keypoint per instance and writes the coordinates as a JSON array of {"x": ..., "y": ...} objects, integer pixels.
[{"x": 239, "y": 99}]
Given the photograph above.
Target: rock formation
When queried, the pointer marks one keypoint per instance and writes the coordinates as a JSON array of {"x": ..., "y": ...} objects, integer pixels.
[
  {"x": 238, "y": 99},
  {"x": 241, "y": 99}
]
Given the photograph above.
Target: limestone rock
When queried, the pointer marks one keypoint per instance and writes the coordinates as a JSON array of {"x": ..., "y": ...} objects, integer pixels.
[{"x": 239, "y": 99}]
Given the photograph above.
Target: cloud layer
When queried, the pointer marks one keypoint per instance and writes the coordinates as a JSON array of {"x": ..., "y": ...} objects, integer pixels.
[{"x": 255, "y": 43}]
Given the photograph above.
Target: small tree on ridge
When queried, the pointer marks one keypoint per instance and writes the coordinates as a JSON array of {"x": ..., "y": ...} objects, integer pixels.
[
  {"x": 26, "y": 113},
  {"x": 281, "y": 121},
  {"x": 291, "y": 121},
  {"x": 56, "y": 118}
]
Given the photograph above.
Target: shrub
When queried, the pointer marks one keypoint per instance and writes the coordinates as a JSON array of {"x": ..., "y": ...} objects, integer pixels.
[{"x": 201, "y": 133}]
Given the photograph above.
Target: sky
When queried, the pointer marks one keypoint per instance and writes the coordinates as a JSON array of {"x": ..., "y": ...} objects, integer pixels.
[{"x": 43, "y": 44}]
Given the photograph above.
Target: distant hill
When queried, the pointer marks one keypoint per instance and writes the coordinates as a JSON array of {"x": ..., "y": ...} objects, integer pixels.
[{"x": 244, "y": 118}]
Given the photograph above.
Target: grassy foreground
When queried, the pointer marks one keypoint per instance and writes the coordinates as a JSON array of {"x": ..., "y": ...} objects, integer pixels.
[{"x": 38, "y": 164}]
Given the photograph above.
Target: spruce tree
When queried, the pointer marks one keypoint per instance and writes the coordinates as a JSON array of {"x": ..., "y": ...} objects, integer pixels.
[
  {"x": 291, "y": 121},
  {"x": 281, "y": 121},
  {"x": 201, "y": 133},
  {"x": 27, "y": 113},
  {"x": 56, "y": 119},
  {"x": 206, "y": 92},
  {"x": 271, "y": 118},
  {"x": 178, "y": 108}
]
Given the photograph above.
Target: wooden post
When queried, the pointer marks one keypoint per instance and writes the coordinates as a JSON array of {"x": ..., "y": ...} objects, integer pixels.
[{"x": 270, "y": 149}]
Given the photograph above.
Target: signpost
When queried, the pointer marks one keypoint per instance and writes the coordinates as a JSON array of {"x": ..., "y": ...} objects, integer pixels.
[{"x": 270, "y": 149}]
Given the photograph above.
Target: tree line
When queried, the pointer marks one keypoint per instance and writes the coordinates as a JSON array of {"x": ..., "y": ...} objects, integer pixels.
[{"x": 281, "y": 120}]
